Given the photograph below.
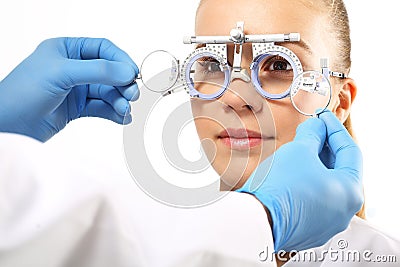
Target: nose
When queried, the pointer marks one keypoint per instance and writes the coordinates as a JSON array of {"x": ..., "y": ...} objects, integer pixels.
[{"x": 241, "y": 96}]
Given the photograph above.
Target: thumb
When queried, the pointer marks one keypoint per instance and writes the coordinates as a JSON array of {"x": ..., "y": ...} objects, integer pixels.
[
  {"x": 348, "y": 154},
  {"x": 313, "y": 133}
]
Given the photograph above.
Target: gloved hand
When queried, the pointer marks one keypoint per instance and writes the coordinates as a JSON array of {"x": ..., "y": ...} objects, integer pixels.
[
  {"x": 308, "y": 202},
  {"x": 64, "y": 79}
]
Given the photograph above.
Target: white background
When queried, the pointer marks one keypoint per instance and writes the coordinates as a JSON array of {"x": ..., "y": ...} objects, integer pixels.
[{"x": 140, "y": 27}]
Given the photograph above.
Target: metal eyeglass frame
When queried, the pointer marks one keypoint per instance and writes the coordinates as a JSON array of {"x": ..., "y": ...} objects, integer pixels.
[{"x": 216, "y": 47}]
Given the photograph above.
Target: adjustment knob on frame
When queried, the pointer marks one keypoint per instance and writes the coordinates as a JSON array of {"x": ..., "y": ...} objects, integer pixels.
[{"x": 237, "y": 35}]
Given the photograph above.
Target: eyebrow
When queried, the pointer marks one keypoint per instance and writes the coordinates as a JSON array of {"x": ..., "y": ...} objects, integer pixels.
[
  {"x": 200, "y": 45},
  {"x": 301, "y": 44}
]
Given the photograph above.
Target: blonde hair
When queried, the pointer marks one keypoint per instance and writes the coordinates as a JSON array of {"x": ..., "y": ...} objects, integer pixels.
[{"x": 339, "y": 29}]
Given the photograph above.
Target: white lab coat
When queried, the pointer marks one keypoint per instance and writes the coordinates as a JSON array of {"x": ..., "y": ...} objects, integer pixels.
[{"x": 57, "y": 212}]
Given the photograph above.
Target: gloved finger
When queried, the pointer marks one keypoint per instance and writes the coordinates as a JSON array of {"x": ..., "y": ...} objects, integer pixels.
[
  {"x": 98, "y": 71},
  {"x": 312, "y": 132},
  {"x": 99, "y": 108},
  {"x": 110, "y": 95},
  {"x": 348, "y": 154},
  {"x": 327, "y": 157},
  {"x": 98, "y": 48},
  {"x": 130, "y": 92}
]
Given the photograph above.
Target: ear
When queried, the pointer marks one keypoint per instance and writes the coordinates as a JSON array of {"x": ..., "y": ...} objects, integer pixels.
[{"x": 347, "y": 92}]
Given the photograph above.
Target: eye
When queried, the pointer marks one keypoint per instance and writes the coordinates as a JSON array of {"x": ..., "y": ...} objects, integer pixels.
[
  {"x": 209, "y": 64},
  {"x": 280, "y": 65},
  {"x": 276, "y": 63},
  {"x": 214, "y": 66}
]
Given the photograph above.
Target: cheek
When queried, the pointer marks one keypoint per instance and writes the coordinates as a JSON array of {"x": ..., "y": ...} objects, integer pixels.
[
  {"x": 203, "y": 121},
  {"x": 203, "y": 127},
  {"x": 335, "y": 97},
  {"x": 286, "y": 118}
]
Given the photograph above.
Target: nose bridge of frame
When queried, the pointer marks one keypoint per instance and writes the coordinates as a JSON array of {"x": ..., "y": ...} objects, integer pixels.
[
  {"x": 243, "y": 75},
  {"x": 241, "y": 71},
  {"x": 237, "y": 71}
]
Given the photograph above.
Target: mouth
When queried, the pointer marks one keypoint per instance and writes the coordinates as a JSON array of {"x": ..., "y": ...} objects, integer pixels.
[{"x": 242, "y": 139}]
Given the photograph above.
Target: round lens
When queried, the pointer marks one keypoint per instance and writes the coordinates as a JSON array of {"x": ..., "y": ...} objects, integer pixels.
[
  {"x": 159, "y": 71},
  {"x": 310, "y": 93},
  {"x": 207, "y": 76},
  {"x": 275, "y": 74}
]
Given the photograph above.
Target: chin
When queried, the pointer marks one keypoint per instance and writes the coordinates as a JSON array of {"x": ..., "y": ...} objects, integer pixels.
[
  {"x": 233, "y": 177},
  {"x": 235, "y": 167}
]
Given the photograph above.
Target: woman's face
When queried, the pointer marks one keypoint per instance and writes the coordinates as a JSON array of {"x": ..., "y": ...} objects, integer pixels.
[{"x": 241, "y": 110}]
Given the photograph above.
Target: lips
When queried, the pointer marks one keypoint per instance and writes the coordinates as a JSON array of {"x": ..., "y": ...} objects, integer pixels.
[{"x": 241, "y": 139}]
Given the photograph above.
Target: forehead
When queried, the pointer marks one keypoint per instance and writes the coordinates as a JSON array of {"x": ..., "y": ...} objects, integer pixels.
[{"x": 218, "y": 17}]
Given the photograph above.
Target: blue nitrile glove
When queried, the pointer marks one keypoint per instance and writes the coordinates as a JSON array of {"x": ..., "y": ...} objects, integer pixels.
[
  {"x": 308, "y": 202},
  {"x": 64, "y": 79}
]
